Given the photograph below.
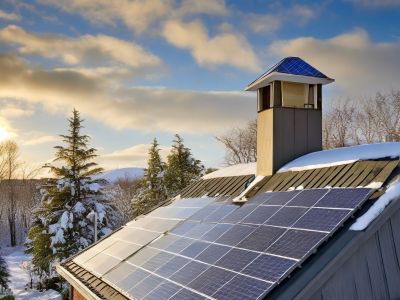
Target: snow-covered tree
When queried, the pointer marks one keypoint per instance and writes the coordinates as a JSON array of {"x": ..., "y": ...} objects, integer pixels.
[
  {"x": 63, "y": 223},
  {"x": 4, "y": 275},
  {"x": 181, "y": 169},
  {"x": 153, "y": 188}
]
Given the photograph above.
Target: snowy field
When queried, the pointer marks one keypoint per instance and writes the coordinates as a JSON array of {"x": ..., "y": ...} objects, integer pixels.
[{"x": 19, "y": 280}]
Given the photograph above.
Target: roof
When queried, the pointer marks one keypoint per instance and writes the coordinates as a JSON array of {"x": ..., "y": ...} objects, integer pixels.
[
  {"x": 109, "y": 268},
  {"x": 292, "y": 69}
]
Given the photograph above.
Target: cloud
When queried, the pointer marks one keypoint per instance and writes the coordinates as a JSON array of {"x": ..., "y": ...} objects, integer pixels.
[
  {"x": 260, "y": 23},
  {"x": 225, "y": 48},
  {"x": 376, "y": 3},
  {"x": 44, "y": 139},
  {"x": 358, "y": 65},
  {"x": 138, "y": 15},
  {"x": 87, "y": 49},
  {"x": 144, "y": 108},
  {"x": 303, "y": 13},
  {"x": 8, "y": 16},
  {"x": 133, "y": 156}
]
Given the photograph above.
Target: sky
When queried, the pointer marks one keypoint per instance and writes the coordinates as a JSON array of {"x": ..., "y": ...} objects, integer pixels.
[{"x": 138, "y": 70}]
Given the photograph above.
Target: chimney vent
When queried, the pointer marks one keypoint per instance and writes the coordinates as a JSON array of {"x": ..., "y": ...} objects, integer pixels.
[{"x": 289, "y": 119}]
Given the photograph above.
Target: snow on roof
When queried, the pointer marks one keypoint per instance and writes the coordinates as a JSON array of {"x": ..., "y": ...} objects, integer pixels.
[
  {"x": 340, "y": 156},
  {"x": 392, "y": 193},
  {"x": 235, "y": 170}
]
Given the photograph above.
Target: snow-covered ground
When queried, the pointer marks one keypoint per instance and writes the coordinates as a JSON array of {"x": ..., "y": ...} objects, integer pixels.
[
  {"x": 122, "y": 173},
  {"x": 19, "y": 280}
]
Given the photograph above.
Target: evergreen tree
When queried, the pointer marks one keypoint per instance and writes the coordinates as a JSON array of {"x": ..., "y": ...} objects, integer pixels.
[
  {"x": 182, "y": 169},
  {"x": 153, "y": 191},
  {"x": 63, "y": 224},
  {"x": 4, "y": 275}
]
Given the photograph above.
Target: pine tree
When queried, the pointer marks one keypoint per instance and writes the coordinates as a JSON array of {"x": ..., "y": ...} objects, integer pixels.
[
  {"x": 4, "y": 275},
  {"x": 62, "y": 224},
  {"x": 182, "y": 169},
  {"x": 153, "y": 182}
]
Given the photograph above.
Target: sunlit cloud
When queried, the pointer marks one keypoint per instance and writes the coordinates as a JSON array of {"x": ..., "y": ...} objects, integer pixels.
[
  {"x": 361, "y": 66},
  {"x": 92, "y": 50},
  {"x": 133, "y": 156},
  {"x": 143, "y": 108},
  {"x": 225, "y": 48},
  {"x": 8, "y": 16}
]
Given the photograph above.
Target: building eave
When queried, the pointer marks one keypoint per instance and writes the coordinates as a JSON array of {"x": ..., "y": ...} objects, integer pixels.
[
  {"x": 79, "y": 286},
  {"x": 274, "y": 76}
]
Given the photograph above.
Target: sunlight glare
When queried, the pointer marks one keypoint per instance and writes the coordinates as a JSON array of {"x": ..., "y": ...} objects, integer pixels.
[{"x": 3, "y": 134}]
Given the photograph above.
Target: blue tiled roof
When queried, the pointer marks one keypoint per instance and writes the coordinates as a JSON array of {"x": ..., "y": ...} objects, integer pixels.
[{"x": 295, "y": 66}]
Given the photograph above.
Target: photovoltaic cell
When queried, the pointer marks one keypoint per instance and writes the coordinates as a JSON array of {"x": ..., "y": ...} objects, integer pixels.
[
  {"x": 198, "y": 230},
  {"x": 260, "y": 215},
  {"x": 241, "y": 288},
  {"x": 183, "y": 228},
  {"x": 286, "y": 216},
  {"x": 307, "y": 198},
  {"x": 239, "y": 214},
  {"x": 344, "y": 198},
  {"x": 194, "y": 249},
  {"x": 170, "y": 267},
  {"x": 211, "y": 280},
  {"x": 260, "y": 198},
  {"x": 216, "y": 232},
  {"x": 280, "y": 198},
  {"x": 189, "y": 272},
  {"x": 269, "y": 267},
  {"x": 261, "y": 238},
  {"x": 132, "y": 279},
  {"x": 236, "y": 259},
  {"x": 163, "y": 291},
  {"x": 204, "y": 212},
  {"x": 145, "y": 286},
  {"x": 185, "y": 294},
  {"x": 156, "y": 261},
  {"x": 213, "y": 253},
  {"x": 321, "y": 219},
  {"x": 220, "y": 213},
  {"x": 296, "y": 243},
  {"x": 179, "y": 245},
  {"x": 235, "y": 235}
]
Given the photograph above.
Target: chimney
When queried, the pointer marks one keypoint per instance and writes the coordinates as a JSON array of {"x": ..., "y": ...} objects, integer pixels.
[{"x": 289, "y": 118}]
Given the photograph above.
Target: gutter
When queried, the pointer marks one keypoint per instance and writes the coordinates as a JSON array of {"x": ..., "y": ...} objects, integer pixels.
[{"x": 79, "y": 286}]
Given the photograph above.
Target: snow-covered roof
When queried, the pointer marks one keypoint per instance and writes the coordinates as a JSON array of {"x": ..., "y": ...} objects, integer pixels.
[
  {"x": 341, "y": 156},
  {"x": 235, "y": 170}
]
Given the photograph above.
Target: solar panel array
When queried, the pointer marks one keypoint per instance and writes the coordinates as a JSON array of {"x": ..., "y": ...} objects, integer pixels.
[
  {"x": 111, "y": 251},
  {"x": 297, "y": 66},
  {"x": 226, "y": 251}
]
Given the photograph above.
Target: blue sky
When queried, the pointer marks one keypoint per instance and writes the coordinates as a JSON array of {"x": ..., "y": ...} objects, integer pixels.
[{"x": 143, "y": 69}]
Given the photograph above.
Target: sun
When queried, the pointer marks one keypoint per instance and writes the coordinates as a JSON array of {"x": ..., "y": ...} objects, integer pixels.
[{"x": 4, "y": 134}]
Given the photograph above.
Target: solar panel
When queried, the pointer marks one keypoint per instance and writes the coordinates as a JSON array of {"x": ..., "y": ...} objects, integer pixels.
[
  {"x": 228, "y": 251},
  {"x": 297, "y": 66}
]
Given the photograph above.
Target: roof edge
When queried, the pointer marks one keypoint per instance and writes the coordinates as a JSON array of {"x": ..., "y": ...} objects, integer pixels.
[
  {"x": 78, "y": 285},
  {"x": 278, "y": 76}
]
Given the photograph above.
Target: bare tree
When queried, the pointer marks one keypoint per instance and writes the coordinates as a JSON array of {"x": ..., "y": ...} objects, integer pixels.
[
  {"x": 240, "y": 144},
  {"x": 122, "y": 193},
  {"x": 10, "y": 157},
  {"x": 338, "y": 129}
]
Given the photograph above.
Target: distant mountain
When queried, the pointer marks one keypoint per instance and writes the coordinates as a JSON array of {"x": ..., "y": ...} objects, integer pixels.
[{"x": 122, "y": 173}]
